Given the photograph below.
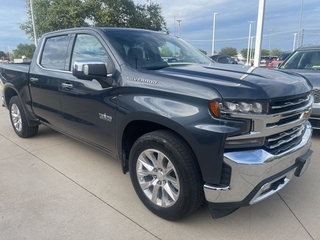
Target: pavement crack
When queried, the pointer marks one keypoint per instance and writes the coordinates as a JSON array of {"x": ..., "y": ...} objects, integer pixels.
[{"x": 296, "y": 216}]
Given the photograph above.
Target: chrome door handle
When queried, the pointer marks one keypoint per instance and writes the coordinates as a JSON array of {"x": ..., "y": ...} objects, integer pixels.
[
  {"x": 34, "y": 79},
  {"x": 67, "y": 85}
]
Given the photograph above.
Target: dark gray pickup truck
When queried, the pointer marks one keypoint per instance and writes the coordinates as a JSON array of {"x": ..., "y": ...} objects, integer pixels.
[{"x": 187, "y": 129}]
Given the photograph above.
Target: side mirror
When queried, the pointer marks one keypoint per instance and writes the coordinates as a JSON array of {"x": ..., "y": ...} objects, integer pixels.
[{"x": 89, "y": 70}]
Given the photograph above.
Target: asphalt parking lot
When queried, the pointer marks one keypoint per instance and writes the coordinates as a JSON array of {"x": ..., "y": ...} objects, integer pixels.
[{"x": 53, "y": 187}]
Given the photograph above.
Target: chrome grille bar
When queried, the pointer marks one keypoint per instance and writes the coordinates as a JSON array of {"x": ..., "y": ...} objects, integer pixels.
[
  {"x": 284, "y": 139},
  {"x": 292, "y": 103}
]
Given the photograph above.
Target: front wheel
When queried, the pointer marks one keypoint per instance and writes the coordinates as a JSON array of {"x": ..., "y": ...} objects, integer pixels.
[
  {"x": 165, "y": 175},
  {"x": 19, "y": 119}
]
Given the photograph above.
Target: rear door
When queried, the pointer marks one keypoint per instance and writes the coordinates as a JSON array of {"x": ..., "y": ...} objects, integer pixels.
[
  {"x": 45, "y": 80},
  {"x": 89, "y": 106}
]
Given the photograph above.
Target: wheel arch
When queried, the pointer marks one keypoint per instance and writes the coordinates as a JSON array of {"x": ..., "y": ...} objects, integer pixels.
[
  {"x": 137, "y": 127},
  {"x": 10, "y": 92}
]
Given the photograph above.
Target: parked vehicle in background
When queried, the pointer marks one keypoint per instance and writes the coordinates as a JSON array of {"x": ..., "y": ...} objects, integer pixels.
[
  {"x": 265, "y": 60},
  {"x": 239, "y": 61},
  {"x": 305, "y": 61},
  {"x": 277, "y": 62},
  {"x": 221, "y": 58}
]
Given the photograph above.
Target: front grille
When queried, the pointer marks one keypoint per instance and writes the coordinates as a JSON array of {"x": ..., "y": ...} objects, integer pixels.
[
  {"x": 289, "y": 104},
  {"x": 316, "y": 95},
  {"x": 285, "y": 140},
  {"x": 279, "y": 130}
]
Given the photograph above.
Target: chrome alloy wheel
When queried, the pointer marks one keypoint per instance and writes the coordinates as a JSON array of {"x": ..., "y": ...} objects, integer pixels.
[
  {"x": 16, "y": 117},
  {"x": 158, "y": 178}
]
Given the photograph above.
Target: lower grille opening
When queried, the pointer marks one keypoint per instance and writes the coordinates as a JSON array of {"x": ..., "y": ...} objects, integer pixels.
[
  {"x": 225, "y": 175},
  {"x": 274, "y": 186}
]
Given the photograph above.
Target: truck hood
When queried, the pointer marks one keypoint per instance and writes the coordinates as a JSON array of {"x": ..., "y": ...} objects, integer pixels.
[
  {"x": 225, "y": 81},
  {"x": 312, "y": 75}
]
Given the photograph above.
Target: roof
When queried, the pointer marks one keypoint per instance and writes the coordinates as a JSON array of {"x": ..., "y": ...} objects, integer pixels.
[{"x": 307, "y": 47}]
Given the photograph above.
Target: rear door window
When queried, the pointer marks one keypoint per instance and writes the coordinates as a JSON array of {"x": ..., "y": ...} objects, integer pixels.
[{"x": 55, "y": 52}]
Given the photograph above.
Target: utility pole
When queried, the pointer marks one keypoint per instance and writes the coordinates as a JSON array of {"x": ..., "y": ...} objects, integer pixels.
[
  {"x": 33, "y": 25},
  {"x": 214, "y": 30},
  {"x": 294, "y": 41},
  {"x": 174, "y": 14},
  {"x": 249, "y": 38},
  {"x": 299, "y": 29},
  {"x": 270, "y": 30},
  {"x": 257, "y": 52},
  {"x": 179, "y": 28}
]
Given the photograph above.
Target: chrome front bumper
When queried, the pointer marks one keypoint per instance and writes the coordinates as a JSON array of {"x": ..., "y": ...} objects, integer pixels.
[{"x": 258, "y": 174}]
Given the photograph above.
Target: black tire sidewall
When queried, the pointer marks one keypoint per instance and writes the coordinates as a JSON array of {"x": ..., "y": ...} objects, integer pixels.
[
  {"x": 15, "y": 100},
  {"x": 176, "y": 211}
]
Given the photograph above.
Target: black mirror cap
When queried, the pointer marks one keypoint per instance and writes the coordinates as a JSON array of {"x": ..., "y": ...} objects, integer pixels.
[{"x": 89, "y": 70}]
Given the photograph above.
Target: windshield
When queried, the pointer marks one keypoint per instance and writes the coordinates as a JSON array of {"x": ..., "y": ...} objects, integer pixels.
[
  {"x": 303, "y": 59},
  {"x": 152, "y": 50},
  {"x": 284, "y": 56}
]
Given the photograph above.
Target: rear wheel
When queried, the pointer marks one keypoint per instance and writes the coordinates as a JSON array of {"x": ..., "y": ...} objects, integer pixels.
[
  {"x": 19, "y": 119},
  {"x": 165, "y": 175}
]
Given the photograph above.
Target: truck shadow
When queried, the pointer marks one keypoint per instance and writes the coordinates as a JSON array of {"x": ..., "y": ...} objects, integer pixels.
[{"x": 316, "y": 133}]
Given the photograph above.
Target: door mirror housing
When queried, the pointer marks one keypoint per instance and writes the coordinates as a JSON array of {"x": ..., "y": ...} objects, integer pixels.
[{"x": 88, "y": 69}]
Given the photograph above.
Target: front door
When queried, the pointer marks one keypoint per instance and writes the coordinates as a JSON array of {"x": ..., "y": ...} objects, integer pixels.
[{"x": 89, "y": 106}]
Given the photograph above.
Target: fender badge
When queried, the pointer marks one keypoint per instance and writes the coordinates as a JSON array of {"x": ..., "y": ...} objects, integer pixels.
[
  {"x": 105, "y": 117},
  {"x": 142, "y": 80}
]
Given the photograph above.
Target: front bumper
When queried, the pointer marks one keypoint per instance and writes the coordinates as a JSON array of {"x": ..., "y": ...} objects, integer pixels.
[{"x": 257, "y": 174}]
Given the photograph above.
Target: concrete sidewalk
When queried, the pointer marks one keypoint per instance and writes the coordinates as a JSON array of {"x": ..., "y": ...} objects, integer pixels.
[{"x": 53, "y": 187}]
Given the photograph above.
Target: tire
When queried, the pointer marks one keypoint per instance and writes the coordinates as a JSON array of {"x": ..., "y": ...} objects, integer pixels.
[
  {"x": 165, "y": 175},
  {"x": 19, "y": 119}
]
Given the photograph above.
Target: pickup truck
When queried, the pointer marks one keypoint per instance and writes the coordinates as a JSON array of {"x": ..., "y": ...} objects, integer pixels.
[{"x": 188, "y": 130}]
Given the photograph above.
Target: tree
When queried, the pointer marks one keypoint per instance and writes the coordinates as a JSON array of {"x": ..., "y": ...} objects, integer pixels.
[
  {"x": 275, "y": 52},
  {"x": 244, "y": 52},
  {"x": 229, "y": 51},
  {"x": 124, "y": 13},
  {"x": 166, "y": 52},
  {"x": 2, "y": 55},
  {"x": 203, "y": 51},
  {"x": 265, "y": 52},
  {"x": 51, "y": 15},
  {"x": 24, "y": 50}
]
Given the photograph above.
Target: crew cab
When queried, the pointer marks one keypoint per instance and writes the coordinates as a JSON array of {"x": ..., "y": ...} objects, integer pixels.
[{"x": 186, "y": 129}]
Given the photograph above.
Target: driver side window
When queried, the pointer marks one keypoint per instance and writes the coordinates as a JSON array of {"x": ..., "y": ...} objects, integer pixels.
[{"x": 88, "y": 47}]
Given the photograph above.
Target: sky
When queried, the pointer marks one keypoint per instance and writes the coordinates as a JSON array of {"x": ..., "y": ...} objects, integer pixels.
[{"x": 281, "y": 22}]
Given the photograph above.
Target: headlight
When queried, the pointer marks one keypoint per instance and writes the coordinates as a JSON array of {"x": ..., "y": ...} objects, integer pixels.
[{"x": 221, "y": 108}]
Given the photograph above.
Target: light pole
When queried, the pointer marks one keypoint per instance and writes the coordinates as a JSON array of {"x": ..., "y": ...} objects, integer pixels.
[
  {"x": 179, "y": 27},
  {"x": 174, "y": 14},
  {"x": 270, "y": 30},
  {"x": 33, "y": 24},
  {"x": 214, "y": 30},
  {"x": 299, "y": 29},
  {"x": 251, "y": 48},
  {"x": 249, "y": 38},
  {"x": 294, "y": 41}
]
